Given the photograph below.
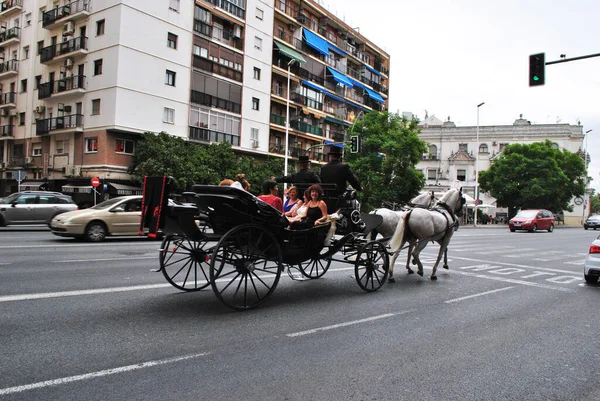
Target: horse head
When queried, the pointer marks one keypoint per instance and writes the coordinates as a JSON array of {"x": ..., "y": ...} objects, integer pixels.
[{"x": 454, "y": 200}]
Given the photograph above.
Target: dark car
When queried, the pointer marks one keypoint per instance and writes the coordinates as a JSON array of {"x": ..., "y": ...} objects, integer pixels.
[
  {"x": 34, "y": 207},
  {"x": 592, "y": 222},
  {"x": 532, "y": 220}
]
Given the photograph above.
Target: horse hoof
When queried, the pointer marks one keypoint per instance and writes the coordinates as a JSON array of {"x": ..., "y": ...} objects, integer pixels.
[
  {"x": 420, "y": 273},
  {"x": 410, "y": 271},
  {"x": 392, "y": 280},
  {"x": 446, "y": 267},
  {"x": 433, "y": 278}
]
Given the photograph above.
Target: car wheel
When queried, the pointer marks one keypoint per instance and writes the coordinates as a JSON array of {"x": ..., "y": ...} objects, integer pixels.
[
  {"x": 512, "y": 230},
  {"x": 95, "y": 232},
  {"x": 590, "y": 279},
  {"x": 534, "y": 229},
  {"x": 2, "y": 223},
  {"x": 551, "y": 228}
]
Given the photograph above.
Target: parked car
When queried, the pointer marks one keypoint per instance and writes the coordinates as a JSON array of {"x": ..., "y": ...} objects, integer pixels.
[
  {"x": 591, "y": 269},
  {"x": 532, "y": 220},
  {"x": 34, "y": 207},
  {"x": 592, "y": 222}
]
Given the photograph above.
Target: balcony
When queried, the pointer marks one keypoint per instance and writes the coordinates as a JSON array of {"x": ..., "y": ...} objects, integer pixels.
[
  {"x": 224, "y": 36},
  {"x": 298, "y": 98},
  {"x": 216, "y": 68},
  {"x": 64, "y": 124},
  {"x": 213, "y": 101},
  {"x": 279, "y": 149},
  {"x": 10, "y": 36},
  {"x": 10, "y": 7},
  {"x": 63, "y": 88},
  {"x": 7, "y": 131},
  {"x": 9, "y": 68},
  {"x": 230, "y": 7},
  {"x": 74, "y": 11},
  {"x": 305, "y": 127},
  {"x": 277, "y": 119},
  {"x": 8, "y": 100},
  {"x": 69, "y": 48},
  {"x": 208, "y": 136}
]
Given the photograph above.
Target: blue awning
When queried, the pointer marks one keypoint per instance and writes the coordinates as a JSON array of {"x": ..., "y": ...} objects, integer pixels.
[
  {"x": 317, "y": 43},
  {"x": 360, "y": 106},
  {"x": 313, "y": 86},
  {"x": 357, "y": 83},
  {"x": 373, "y": 70},
  {"x": 341, "y": 78},
  {"x": 339, "y": 145},
  {"x": 337, "y": 50},
  {"x": 374, "y": 95},
  {"x": 331, "y": 95}
]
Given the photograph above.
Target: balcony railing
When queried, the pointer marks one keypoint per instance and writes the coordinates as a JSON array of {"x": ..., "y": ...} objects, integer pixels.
[
  {"x": 47, "y": 89},
  {"x": 14, "y": 32},
  {"x": 279, "y": 148},
  {"x": 7, "y": 130},
  {"x": 213, "y": 101},
  {"x": 298, "y": 98},
  {"x": 8, "y": 66},
  {"x": 7, "y": 5},
  {"x": 58, "y": 13},
  {"x": 50, "y": 52},
  {"x": 310, "y": 76},
  {"x": 338, "y": 89},
  {"x": 7, "y": 98},
  {"x": 44, "y": 126},
  {"x": 305, "y": 127},
  {"x": 209, "y": 136},
  {"x": 222, "y": 35},
  {"x": 203, "y": 28},
  {"x": 286, "y": 7},
  {"x": 277, "y": 119},
  {"x": 229, "y": 7},
  {"x": 216, "y": 68}
]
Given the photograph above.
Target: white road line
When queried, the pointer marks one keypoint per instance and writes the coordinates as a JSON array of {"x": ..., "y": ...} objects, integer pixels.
[
  {"x": 104, "y": 260},
  {"x": 477, "y": 295},
  {"x": 513, "y": 281},
  {"x": 350, "y": 323},
  {"x": 44, "y": 295},
  {"x": 80, "y": 245},
  {"x": 101, "y": 373}
]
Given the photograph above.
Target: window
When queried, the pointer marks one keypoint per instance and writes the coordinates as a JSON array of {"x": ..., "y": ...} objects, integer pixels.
[
  {"x": 40, "y": 46},
  {"x": 169, "y": 115},
  {"x": 124, "y": 146},
  {"x": 257, "y": 43},
  {"x": 25, "y": 52},
  {"x": 28, "y": 19},
  {"x": 483, "y": 148},
  {"x": 200, "y": 51},
  {"x": 91, "y": 145},
  {"x": 170, "y": 78},
  {"x": 37, "y": 148},
  {"x": 98, "y": 67},
  {"x": 254, "y": 137},
  {"x": 22, "y": 118},
  {"x": 433, "y": 152},
  {"x": 172, "y": 40},
  {"x": 95, "y": 106},
  {"x": 38, "y": 81},
  {"x": 432, "y": 174},
  {"x": 257, "y": 73},
  {"x": 255, "y": 103},
  {"x": 23, "y": 85},
  {"x": 461, "y": 175},
  {"x": 259, "y": 13},
  {"x": 100, "y": 27},
  {"x": 174, "y": 5},
  {"x": 279, "y": 88},
  {"x": 462, "y": 147},
  {"x": 62, "y": 147},
  {"x": 554, "y": 145}
]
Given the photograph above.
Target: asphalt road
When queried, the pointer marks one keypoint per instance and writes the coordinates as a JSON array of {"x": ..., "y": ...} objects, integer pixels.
[{"x": 511, "y": 320}]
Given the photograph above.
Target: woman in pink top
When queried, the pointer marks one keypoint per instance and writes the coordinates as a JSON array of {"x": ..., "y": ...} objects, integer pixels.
[{"x": 271, "y": 195}]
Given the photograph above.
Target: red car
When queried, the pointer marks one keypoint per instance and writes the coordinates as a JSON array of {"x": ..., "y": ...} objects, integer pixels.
[{"x": 532, "y": 220}]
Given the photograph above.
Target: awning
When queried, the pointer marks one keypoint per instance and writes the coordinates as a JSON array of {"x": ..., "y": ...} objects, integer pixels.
[
  {"x": 339, "y": 145},
  {"x": 341, "y": 78},
  {"x": 125, "y": 189},
  {"x": 331, "y": 95},
  {"x": 32, "y": 186},
  {"x": 334, "y": 120},
  {"x": 316, "y": 42},
  {"x": 337, "y": 50},
  {"x": 360, "y": 106},
  {"x": 289, "y": 52},
  {"x": 374, "y": 95},
  {"x": 373, "y": 70},
  {"x": 313, "y": 86},
  {"x": 77, "y": 189}
]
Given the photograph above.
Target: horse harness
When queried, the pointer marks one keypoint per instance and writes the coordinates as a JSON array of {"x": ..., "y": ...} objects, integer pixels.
[{"x": 449, "y": 225}]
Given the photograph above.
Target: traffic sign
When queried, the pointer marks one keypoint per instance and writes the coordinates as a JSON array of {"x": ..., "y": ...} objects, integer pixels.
[
  {"x": 478, "y": 202},
  {"x": 95, "y": 182}
]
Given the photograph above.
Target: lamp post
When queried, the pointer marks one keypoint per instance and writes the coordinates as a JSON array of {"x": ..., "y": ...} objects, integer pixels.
[
  {"x": 287, "y": 119},
  {"x": 585, "y": 155},
  {"x": 477, "y": 167}
]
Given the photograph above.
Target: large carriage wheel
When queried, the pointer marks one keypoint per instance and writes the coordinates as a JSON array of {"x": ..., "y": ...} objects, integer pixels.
[
  {"x": 245, "y": 266},
  {"x": 314, "y": 268},
  {"x": 371, "y": 267},
  {"x": 185, "y": 263}
]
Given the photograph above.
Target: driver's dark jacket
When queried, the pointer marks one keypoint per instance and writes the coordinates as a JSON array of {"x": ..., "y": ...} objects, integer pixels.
[
  {"x": 304, "y": 176},
  {"x": 336, "y": 172}
]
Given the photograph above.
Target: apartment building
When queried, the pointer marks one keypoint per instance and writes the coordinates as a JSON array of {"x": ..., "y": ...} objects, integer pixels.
[
  {"x": 455, "y": 154},
  {"x": 81, "y": 80}
]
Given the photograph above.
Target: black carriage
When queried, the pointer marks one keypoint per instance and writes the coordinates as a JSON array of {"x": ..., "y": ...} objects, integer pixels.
[{"x": 229, "y": 239}]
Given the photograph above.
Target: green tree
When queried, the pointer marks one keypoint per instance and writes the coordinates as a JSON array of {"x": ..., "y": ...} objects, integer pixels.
[
  {"x": 385, "y": 165},
  {"x": 530, "y": 176},
  {"x": 594, "y": 204},
  {"x": 258, "y": 171}
]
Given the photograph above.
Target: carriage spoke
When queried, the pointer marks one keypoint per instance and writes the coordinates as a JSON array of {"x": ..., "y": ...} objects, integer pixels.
[
  {"x": 371, "y": 266},
  {"x": 180, "y": 259}
]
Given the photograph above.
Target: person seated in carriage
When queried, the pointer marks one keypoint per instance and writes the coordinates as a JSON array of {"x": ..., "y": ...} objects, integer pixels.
[
  {"x": 316, "y": 209},
  {"x": 271, "y": 195},
  {"x": 336, "y": 172}
]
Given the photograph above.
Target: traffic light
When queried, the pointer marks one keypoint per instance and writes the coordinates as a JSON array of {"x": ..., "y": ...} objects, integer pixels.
[
  {"x": 537, "y": 69},
  {"x": 354, "y": 144}
]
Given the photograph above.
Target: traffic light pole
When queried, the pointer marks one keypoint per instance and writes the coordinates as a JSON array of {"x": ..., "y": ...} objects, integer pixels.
[{"x": 566, "y": 60}]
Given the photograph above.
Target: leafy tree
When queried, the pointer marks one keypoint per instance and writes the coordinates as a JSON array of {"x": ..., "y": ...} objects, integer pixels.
[
  {"x": 385, "y": 165},
  {"x": 257, "y": 172},
  {"x": 594, "y": 204},
  {"x": 531, "y": 176}
]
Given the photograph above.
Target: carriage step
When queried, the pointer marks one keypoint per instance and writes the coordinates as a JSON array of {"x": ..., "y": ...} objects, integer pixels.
[{"x": 296, "y": 275}]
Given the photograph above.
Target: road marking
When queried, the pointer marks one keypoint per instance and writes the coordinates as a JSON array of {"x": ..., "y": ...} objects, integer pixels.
[
  {"x": 103, "y": 260},
  {"x": 44, "y": 295},
  {"x": 101, "y": 373},
  {"x": 513, "y": 281},
  {"x": 350, "y": 323},
  {"x": 84, "y": 244},
  {"x": 477, "y": 295}
]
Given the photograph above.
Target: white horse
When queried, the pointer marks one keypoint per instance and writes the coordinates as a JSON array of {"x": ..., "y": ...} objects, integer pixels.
[{"x": 419, "y": 226}]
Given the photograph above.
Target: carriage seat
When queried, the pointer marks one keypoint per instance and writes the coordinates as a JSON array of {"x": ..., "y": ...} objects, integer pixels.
[{"x": 331, "y": 196}]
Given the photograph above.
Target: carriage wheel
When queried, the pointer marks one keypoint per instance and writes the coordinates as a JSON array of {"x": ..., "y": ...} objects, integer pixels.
[
  {"x": 245, "y": 266},
  {"x": 314, "y": 268},
  {"x": 185, "y": 263},
  {"x": 371, "y": 267}
]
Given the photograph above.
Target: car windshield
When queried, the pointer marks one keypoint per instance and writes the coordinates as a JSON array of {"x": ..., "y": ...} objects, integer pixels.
[
  {"x": 107, "y": 204},
  {"x": 527, "y": 214},
  {"x": 9, "y": 198},
  {"x": 594, "y": 218}
]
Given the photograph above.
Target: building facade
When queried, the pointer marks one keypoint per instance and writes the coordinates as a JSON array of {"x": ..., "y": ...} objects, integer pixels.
[
  {"x": 81, "y": 80},
  {"x": 455, "y": 155}
]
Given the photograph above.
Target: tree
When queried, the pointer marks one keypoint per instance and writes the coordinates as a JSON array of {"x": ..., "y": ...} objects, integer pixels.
[
  {"x": 385, "y": 166},
  {"x": 594, "y": 204},
  {"x": 534, "y": 176}
]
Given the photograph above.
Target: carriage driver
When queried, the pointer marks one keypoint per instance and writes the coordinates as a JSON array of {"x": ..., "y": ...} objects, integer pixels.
[
  {"x": 336, "y": 172},
  {"x": 303, "y": 176}
]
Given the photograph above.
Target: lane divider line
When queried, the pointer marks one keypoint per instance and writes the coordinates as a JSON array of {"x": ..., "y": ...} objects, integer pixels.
[{"x": 477, "y": 295}]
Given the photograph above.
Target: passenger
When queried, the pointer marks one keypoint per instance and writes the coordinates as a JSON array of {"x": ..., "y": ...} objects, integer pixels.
[
  {"x": 300, "y": 210},
  {"x": 292, "y": 202},
  {"x": 303, "y": 176},
  {"x": 226, "y": 182},
  {"x": 336, "y": 172},
  {"x": 316, "y": 211},
  {"x": 241, "y": 178},
  {"x": 270, "y": 195}
]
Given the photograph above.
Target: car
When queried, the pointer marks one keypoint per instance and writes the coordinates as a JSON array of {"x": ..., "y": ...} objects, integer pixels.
[
  {"x": 592, "y": 222},
  {"x": 34, "y": 207},
  {"x": 532, "y": 220},
  {"x": 591, "y": 268}
]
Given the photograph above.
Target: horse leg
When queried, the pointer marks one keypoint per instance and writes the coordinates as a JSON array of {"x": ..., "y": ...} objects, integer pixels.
[
  {"x": 445, "y": 266},
  {"x": 408, "y": 256},
  {"x": 418, "y": 248},
  {"x": 437, "y": 261},
  {"x": 395, "y": 255}
]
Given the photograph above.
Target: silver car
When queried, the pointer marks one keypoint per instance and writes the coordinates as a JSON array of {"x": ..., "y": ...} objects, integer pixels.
[
  {"x": 591, "y": 270},
  {"x": 34, "y": 207}
]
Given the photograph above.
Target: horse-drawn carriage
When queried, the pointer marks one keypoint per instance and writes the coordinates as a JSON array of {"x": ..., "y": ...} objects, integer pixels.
[{"x": 245, "y": 244}]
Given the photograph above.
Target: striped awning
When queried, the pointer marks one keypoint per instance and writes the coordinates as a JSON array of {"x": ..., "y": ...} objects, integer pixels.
[
  {"x": 77, "y": 189},
  {"x": 289, "y": 52},
  {"x": 123, "y": 189},
  {"x": 32, "y": 186}
]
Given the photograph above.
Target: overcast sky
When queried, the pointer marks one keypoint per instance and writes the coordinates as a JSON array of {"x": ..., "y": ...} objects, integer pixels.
[{"x": 447, "y": 57}]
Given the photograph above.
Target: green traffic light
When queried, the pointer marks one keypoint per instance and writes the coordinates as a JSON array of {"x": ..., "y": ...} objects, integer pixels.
[{"x": 536, "y": 78}]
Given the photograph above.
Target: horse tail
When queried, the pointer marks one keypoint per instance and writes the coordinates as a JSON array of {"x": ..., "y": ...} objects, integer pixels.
[{"x": 398, "y": 237}]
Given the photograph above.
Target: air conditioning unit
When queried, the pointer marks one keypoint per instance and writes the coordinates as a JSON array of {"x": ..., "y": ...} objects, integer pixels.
[
  {"x": 255, "y": 143},
  {"x": 68, "y": 28},
  {"x": 76, "y": 171},
  {"x": 29, "y": 160},
  {"x": 69, "y": 63},
  {"x": 237, "y": 31},
  {"x": 40, "y": 109}
]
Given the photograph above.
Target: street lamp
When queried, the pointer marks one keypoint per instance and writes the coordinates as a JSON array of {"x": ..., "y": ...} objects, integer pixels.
[
  {"x": 586, "y": 174},
  {"x": 287, "y": 119},
  {"x": 477, "y": 168}
]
